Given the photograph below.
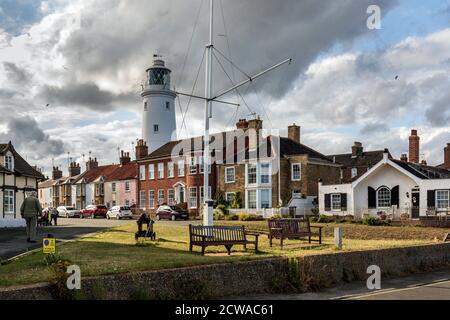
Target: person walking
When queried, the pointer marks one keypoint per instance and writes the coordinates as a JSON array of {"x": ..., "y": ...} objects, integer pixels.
[
  {"x": 55, "y": 215},
  {"x": 29, "y": 211}
]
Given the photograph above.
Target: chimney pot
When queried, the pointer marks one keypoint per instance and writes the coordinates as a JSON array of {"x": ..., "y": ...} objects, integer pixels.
[
  {"x": 447, "y": 157},
  {"x": 357, "y": 149}
]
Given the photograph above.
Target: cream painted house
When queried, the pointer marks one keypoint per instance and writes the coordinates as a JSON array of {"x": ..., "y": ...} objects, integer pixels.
[
  {"x": 17, "y": 178},
  {"x": 393, "y": 187}
]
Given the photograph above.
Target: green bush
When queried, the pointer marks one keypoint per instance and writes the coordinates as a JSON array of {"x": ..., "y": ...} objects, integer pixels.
[
  {"x": 250, "y": 217},
  {"x": 236, "y": 202},
  {"x": 232, "y": 217},
  {"x": 374, "y": 221},
  {"x": 325, "y": 219},
  {"x": 223, "y": 208},
  {"x": 218, "y": 214}
]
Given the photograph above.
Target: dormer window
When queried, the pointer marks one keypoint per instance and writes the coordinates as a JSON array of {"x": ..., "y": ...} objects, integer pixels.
[{"x": 9, "y": 161}]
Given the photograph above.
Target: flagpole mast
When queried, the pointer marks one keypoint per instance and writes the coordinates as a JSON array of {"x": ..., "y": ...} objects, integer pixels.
[{"x": 207, "y": 208}]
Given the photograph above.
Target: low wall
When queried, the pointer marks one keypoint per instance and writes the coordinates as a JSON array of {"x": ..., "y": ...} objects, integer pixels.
[
  {"x": 244, "y": 278},
  {"x": 12, "y": 223}
]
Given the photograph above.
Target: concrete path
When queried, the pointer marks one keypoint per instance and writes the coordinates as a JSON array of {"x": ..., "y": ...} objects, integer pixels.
[{"x": 426, "y": 286}]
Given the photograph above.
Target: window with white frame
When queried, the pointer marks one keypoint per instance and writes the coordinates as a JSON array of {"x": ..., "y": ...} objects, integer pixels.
[
  {"x": 142, "y": 199},
  {"x": 265, "y": 198},
  {"x": 265, "y": 173},
  {"x": 142, "y": 172},
  {"x": 161, "y": 198},
  {"x": 113, "y": 187},
  {"x": 127, "y": 186},
  {"x": 297, "y": 194},
  {"x": 229, "y": 196},
  {"x": 151, "y": 199},
  {"x": 171, "y": 197},
  {"x": 354, "y": 172},
  {"x": 170, "y": 170},
  {"x": 336, "y": 202},
  {"x": 193, "y": 197},
  {"x": 127, "y": 203},
  {"x": 9, "y": 161},
  {"x": 230, "y": 175},
  {"x": 202, "y": 194},
  {"x": 201, "y": 166},
  {"x": 193, "y": 165},
  {"x": 384, "y": 197},
  {"x": 251, "y": 199},
  {"x": 251, "y": 173},
  {"x": 151, "y": 170},
  {"x": 296, "y": 170},
  {"x": 181, "y": 168},
  {"x": 8, "y": 201},
  {"x": 442, "y": 199},
  {"x": 161, "y": 170}
]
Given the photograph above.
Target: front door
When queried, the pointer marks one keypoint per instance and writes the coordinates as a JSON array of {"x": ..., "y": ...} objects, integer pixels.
[
  {"x": 415, "y": 204},
  {"x": 181, "y": 198}
]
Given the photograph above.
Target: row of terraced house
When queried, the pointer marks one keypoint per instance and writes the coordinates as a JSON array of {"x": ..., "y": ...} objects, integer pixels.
[{"x": 254, "y": 173}]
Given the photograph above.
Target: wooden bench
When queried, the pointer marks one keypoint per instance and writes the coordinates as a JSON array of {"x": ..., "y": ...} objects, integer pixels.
[
  {"x": 220, "y": 236},
  {"x": 293, "y": 229}
]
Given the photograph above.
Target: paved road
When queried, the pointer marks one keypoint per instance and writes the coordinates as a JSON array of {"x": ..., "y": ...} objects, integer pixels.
[
  {"x": 427, "y": 286},
  {"x": 13, "y": 241}
]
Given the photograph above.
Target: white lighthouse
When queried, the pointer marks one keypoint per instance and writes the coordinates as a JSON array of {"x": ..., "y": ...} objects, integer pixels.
[{"x": 158, "y": 121}]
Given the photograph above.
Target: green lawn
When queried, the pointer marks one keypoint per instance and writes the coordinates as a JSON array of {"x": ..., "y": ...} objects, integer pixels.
[{"x": 115, "y": 250}]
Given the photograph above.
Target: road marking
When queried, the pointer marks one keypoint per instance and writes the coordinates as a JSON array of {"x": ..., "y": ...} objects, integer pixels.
[{"x": 397, "y": 290}]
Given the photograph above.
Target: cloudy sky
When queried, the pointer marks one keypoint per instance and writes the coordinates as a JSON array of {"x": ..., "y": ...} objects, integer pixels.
[{"x": 86, "y": 60}]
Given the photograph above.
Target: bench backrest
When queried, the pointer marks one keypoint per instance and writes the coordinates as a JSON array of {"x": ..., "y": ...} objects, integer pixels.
[
  {"x": 216, "y": 233},
  {"x": 290, "y": 226}
]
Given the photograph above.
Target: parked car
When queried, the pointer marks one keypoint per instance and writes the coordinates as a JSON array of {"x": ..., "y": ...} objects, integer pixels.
[
  {"x": 94, "y": 211},
  {"x": 119, "y": 212},
  {"x": 68, "y": 212},
  {"x": 172, "y": 213}
]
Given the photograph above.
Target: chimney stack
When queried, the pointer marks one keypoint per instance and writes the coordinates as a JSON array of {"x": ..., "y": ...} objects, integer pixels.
[
  {"x": 74, "y": 169},
  {"x": 242, "y": 124},
  {"x": 404, "y": 157},
  {"x": 447, "y": 157},
  {"x": 141, "y": 149},
  {"x": 56, "y": 173},
  {"x": 414, "y": 147},
  {"x": 357, "y": 149},
  {"x": 124, "y": 158},
  {"x": 91, "y": 164},
  {"x": 254, "y": 128},
  {"x": 294, "y": 133}
]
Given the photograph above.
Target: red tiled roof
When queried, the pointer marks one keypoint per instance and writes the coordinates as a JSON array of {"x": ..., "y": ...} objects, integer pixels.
[
  {"x": 95, "y": 173},
  {"x": 124, "y": 172}
]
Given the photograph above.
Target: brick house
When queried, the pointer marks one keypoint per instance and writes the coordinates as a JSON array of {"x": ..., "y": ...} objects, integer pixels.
[
  {"x": 356, "y": 163},
  {"x": 289, "y": 170},
  {"x": 174, "y": 180}
]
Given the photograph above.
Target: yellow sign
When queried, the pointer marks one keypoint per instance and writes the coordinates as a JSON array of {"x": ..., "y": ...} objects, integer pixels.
[{"x": 49, "y": 245}]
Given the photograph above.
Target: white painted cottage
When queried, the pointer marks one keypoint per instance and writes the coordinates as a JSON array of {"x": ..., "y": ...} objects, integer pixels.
[
  {"x": 393, "y": 187},
  {"x": 17, "y": 178}
]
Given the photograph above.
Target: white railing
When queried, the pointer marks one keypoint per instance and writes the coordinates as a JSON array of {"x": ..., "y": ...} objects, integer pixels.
[{"x": 270, "y": 212}]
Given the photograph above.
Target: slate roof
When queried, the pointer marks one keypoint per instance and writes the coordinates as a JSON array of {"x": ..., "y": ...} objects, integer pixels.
[
  {"x": 422, "y": 171},
  {"x": 368, "y": 159},
  {"x": 289, "y": 147},
  {"x": 20, "y": 165}
]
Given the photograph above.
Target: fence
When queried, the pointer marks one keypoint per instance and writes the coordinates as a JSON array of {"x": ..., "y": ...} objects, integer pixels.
[{"x": 270, "y": 212}]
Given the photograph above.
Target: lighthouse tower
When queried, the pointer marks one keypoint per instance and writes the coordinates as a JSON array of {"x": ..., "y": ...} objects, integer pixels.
[{"x": 158, "y": 121}]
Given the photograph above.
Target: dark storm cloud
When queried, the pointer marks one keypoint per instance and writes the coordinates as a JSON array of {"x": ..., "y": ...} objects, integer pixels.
[
  {"x": 119, "y": 34},
  {"x": 87, "y": 95},
  {"x": 16, "y": 74},
  {"x": 26, "y": 135},
  {"x": 439, "y": 113}
]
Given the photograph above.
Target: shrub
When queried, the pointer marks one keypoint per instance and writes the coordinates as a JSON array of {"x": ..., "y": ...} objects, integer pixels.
[
  {"x": 223, "y": 208},
  {"x": 232, "y": 217},
  {"x": 373, "y": 221},
  {"x": 325, "y": 219},
  {"x": 218, "y": 214},
  {"x": 236, "y": 202},
  {"x": 250, "y": 217}
]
